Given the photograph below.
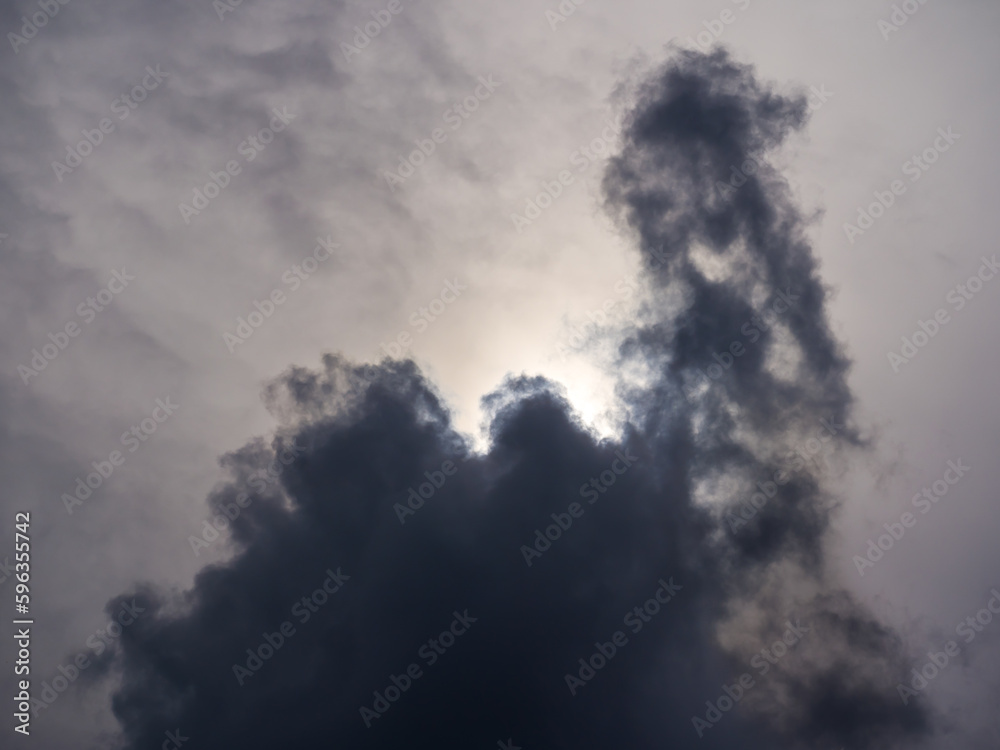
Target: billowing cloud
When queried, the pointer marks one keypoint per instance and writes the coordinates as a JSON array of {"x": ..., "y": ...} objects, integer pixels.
[{"x": 389, "y": 586}]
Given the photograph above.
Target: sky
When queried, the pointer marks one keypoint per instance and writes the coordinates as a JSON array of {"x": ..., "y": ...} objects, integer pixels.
[{"x": 481, "y": 344}]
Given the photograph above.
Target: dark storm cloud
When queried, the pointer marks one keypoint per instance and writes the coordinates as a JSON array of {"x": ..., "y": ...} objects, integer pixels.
[
  {"x": 673, "y": 185},
  {"x": 635, "y": 533},
  {"x": 765, "y": 403},
  {"x": 460, "y": 552}
]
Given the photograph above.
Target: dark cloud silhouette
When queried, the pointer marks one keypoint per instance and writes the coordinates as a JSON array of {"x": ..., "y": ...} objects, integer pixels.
[{"x": 463, "y": 610}]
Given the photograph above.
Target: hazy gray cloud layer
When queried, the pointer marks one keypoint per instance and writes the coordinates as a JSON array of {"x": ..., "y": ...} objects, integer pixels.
[
  {"x": 480, "y": 548},
  {"x": 714, "y": 263}
]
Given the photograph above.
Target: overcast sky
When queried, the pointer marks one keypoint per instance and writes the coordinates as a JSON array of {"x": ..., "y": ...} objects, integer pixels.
[{"x": 211, "y": 215}]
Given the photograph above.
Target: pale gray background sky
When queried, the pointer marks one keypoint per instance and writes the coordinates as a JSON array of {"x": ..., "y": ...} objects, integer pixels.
[{"x": 163, "y": 335}]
